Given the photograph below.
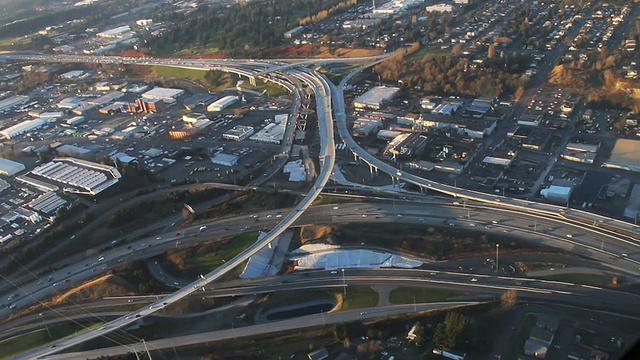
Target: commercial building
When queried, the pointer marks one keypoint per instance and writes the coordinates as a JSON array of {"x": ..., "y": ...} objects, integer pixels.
[
  {"x": 364, "y": 127},
  {"x": 293, "y": 32},
  {"x": 406, "y": 145},
  {"x": 193, "y": 117},
  {"x": 225, "y": 159},
  {"x": 73, "y": 74},
  {"x": 632, "y": 211},
  {"x": 375, "y": 98},
  {"x": 85, "y": 177},
  {"x": 238, "y": 133},
  {"x": 190, "y": 129},
  {"x": 76, "y": 120},
  {"x": 115, "y": 33},
  {"x": 168, "y": 95},
  {"x": 272, "y": 133},
  {"x": 557, "y": 194},
  {"x": 151, "y": 106},
  {"x": 47, "y": 203},
  {"x": 13, "y": 101},
  {"x": 625, "y": 155},
  {"x": 439, "y": 8},
  {"x": 222, "y": 103},
  {"x": 23, "y": 127},
  {"x": 10, "y": 167},
  {"x": 106, "y": 99},
  {"x": 474, "y": 128}
]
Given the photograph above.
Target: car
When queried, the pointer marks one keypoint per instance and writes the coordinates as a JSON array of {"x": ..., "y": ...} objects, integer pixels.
[
  {"x": 101, "y": 258},
  {"x": 336, "y": 208},
  {"x": 128, "y": 317},
  {"x": 474, "y": 279},
  {"x": 399, "y": 215},
  {"x": 364, "y": 215},
  {"x": 569, "y": 236},
  {"x": 176, "y": 283},
  {"x": 334, "y": 272},
  {"x": 202, "y": 228},
  {"x": 279, "y": 215},
  {"x": 363, "y": 313},
  {"x": 623, "y": 254},
  {"x": 55, "y": 284},
  {"x": 159, "y": 238},
  {"x": 130, "y": 300}
]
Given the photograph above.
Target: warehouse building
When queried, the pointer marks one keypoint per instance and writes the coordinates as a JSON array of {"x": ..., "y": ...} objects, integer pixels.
[
  {"x": 149, "y": 106},
  {"x": 23, "y": 127},
  {"x": 625, "y": 155},
  {"x": 168, "y": 95},
  {"x": 376, "y": 98},
  {"x": 557, "y": 194},
  {"x": 13, "y": 101},
  {"x": 84, "y": 176},
  {"x": 10, "y": 167},
  {"x": 406, "y": 145},
  {"x": 222, "y": 103},
  {"x": 47, "y": 203},
  {"x": 190, "y": 129},
  {"x": 363, "y": 127},
  {"x": 225, "y": 159},
  {"x": 238, "y": 133},
  {"x": 272, "y": 133}
]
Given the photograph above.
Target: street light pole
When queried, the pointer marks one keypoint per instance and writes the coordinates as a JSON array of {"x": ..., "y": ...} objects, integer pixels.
[
  {"x": 497, "y": 257},
  {"x": 344, "y": 284},
  {"x": 45, "y": 326}
]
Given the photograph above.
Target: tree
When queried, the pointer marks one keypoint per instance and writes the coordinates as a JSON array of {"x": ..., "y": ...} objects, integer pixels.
[
  {"x": 508, "y": 299},
  {"x": 446, "y": 334}
]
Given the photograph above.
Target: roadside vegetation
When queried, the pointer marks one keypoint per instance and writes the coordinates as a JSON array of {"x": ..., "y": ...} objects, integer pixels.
[{"x": 427, "y": 242}]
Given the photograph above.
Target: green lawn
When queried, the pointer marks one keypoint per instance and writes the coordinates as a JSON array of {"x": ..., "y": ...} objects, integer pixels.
[
  {"x": 406, "y": 295},
  {"x": 584, "y": 279},
  {"x": 24, "y": 342},
  {"x": 213, "y": 260},
  {"x": 522, "y": 335},
  {"x": 178, "y": 73},
  {"x": 325, "y": 200},
  {"x": 435, "y": 50},
  {"x": 359, "y": 297}
]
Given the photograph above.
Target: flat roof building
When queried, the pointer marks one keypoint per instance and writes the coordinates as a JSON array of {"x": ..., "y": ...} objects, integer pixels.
[
  {"x": 164, "y": 94},
  {"x": 625, "y": 155},
  {"x": 23, "y": 127},
  {"x": 225, "y": 159},
  {"x": 375, "y": 98},
  {"x": 10, "y": 167},
  {"x": 222, "y": 103},
  {"x": 238, "y": 133},
  {"x": 85, "y": 177},
  {"x": 272, "y": 133}
]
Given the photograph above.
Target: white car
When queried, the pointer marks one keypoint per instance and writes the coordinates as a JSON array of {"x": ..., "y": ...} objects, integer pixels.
[{"x": 474, "y": 279}]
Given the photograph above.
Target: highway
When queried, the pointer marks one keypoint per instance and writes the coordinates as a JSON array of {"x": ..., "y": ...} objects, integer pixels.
[
  {"x": 539, "y": 229},
  {"x": 327, "y": 158},
  {"x": 327, "y": 95}
]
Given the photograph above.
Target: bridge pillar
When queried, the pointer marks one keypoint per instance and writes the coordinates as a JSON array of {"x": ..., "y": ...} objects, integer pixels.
[{"x": 252, "y": 80}]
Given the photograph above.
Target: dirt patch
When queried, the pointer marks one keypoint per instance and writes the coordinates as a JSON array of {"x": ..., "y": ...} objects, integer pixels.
[
  {"x": 108, "y": 285},
  {"x": 316, "y": 233}
]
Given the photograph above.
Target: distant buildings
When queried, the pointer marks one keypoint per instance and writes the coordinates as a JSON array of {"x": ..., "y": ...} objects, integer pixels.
[
  {"x": 22, "y": 127},
  {"x": 81, "y": 176},
  {"x": 168, "y": 95}
]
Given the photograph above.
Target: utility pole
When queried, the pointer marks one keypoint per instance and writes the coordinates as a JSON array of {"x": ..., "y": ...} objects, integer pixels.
[
  {"x": 344, "y": 283},
  {"x": 45, "y": 326},
  {"x": 497, "y": 256}
]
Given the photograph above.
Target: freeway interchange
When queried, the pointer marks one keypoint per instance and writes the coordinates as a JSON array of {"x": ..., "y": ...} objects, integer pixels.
[{"x": 592, "y": 235}]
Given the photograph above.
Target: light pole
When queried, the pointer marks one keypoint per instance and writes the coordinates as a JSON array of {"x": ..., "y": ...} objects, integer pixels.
[
  {"x": 45, "y": 326},
  {"x": 344, "y": 284},
  {"x": 497, "y": 256}
]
